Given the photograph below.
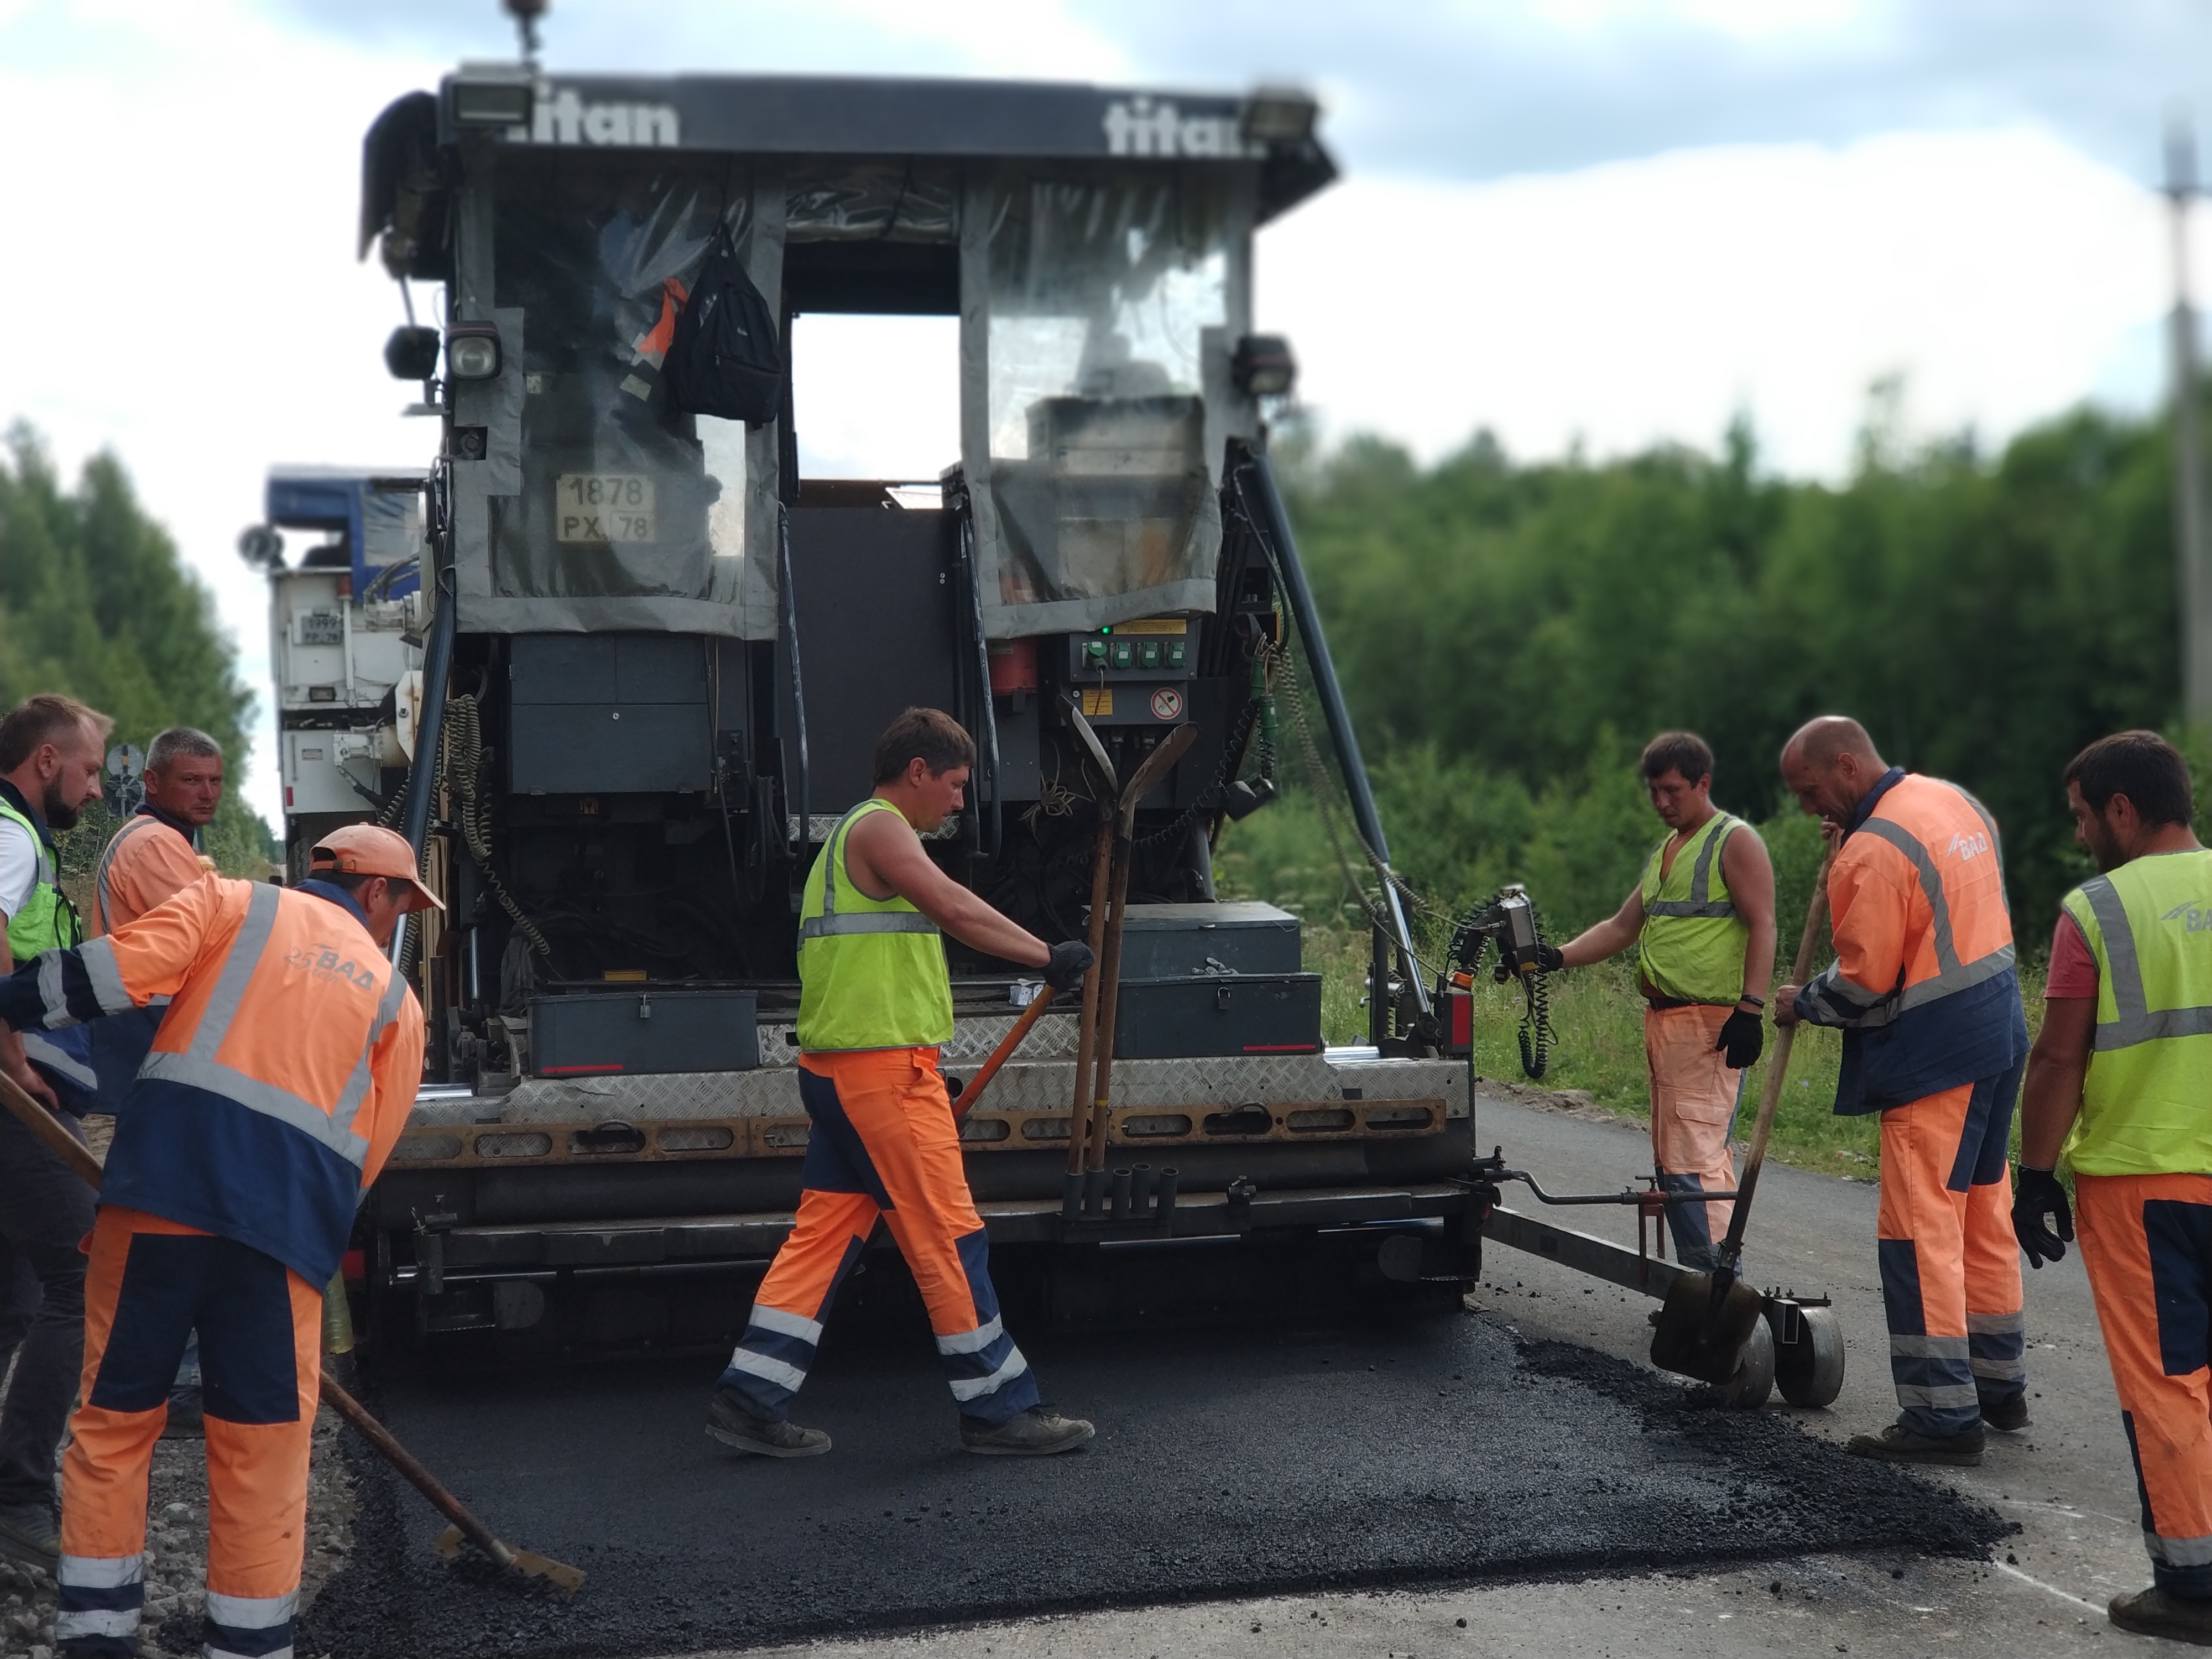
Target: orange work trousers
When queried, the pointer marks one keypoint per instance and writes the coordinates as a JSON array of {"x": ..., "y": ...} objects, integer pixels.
[
  {"x": 1950, "y": 1265},
  {"x": 882, "y": 1142},
  {"x": 1694, "y": 1096},
  {"x": 2147, "y": 1242},
  {"x": 149, "y": 1284}
]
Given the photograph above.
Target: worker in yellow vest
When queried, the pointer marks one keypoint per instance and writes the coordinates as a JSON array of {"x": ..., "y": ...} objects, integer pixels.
[
  {"x": 2119, "y": 1084},
  {"x": 1702, "y": 922},
  {"x": 875, "y": 1002}
]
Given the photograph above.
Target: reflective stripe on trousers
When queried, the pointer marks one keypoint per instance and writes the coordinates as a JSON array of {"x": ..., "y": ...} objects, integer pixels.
[
  {"x": 149, "y": 1283},
  {"x": 1950, "y": 1267},
  {"x": 882, "y": 1144},
  {"x": 2147, "y": 1243}
]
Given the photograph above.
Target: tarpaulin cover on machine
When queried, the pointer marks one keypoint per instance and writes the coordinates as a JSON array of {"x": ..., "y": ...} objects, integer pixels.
[{"x": 1103, "y": 241}]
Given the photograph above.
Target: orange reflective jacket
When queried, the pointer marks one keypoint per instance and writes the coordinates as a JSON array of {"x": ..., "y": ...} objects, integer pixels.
[
  {"x": 282, "y": 1073},
  {"x": 1922, "y": 983},
  {"x": 146, "y": 862}
]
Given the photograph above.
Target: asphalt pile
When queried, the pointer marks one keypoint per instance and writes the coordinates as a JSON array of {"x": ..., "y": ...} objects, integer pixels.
[{"x": 1227, "y": 1463}]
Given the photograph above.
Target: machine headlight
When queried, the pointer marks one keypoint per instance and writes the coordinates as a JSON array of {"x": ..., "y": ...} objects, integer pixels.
[
  {"x": 472, "y": 351},
  {"x": 1279, "y": 115},
  {"x": 489, "y": 95},
  {"x": 1263, "y": 366}
]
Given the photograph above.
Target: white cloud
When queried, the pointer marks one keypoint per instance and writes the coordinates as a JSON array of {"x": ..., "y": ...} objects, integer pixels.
[{"x": 2003, "y": 273}]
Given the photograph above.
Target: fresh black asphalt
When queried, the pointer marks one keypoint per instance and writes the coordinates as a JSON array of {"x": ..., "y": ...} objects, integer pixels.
[{"x": 1436, "y": 1448}]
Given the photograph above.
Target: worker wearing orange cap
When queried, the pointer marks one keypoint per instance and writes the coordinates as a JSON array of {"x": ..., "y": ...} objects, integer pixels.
[{"x": 280, "y": 1079}]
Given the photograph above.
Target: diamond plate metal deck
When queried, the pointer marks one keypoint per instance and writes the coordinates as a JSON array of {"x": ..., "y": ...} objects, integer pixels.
[{"x": 1039, "y": 1085}]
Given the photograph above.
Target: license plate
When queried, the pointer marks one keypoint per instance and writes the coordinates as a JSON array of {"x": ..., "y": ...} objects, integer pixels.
[{"x": 602, "y": 506}]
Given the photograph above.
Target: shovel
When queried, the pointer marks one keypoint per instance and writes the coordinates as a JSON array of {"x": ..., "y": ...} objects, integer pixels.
[
  {"x": 1109, "y": 788},
  {"x": 972, "y": 1089},
  {"x": 527, "y": 1563},
  {"x": 1707, "y": 1318},
  {"x": 1157, "y": 765}
]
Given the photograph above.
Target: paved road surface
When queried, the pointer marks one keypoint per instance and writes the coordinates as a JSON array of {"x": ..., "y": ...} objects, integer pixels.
[{"x": 1458, "y": 1456}]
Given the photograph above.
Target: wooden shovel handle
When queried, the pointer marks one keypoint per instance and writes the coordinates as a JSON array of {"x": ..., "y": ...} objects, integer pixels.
[
  {"x": 25, "y": 1108},
  {"x": 1777, "y": 1065},
  {"x": 1000, "y": 1056}
]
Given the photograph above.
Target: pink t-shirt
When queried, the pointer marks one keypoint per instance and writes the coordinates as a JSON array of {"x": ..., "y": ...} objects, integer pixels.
[{"x": 2073, "y": 970}]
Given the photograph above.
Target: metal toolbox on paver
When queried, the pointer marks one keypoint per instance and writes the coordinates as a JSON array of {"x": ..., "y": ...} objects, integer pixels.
[
  {"x": 644, "y": 1029},
  {"x": 1165, "y": 941},
  {"x": 1197, "y": 1015}
]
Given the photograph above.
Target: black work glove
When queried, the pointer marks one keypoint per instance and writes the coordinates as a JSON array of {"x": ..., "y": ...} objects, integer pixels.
[
  {"x": 2037, "y": 1194},
  {"x": 1744, "y": 1036},
  {"x": 1070, "y": 961},
  {"x": 1548, "y": 959}
]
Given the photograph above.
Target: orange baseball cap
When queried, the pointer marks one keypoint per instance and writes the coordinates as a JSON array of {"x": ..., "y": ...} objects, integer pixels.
[{"x": 369, "y": 849}]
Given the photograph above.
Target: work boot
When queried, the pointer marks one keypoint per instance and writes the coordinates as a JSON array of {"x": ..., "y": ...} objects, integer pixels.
[
  {"x": 27, "y": 1534},
  {"x": 2007, "y": 1416},
  {"x": 2155, "y": 1612},
  {"x": 1899, "y": 1444},
  {"x": 1037, "y": 1432},
  {"x": 729, "y": 1422}
]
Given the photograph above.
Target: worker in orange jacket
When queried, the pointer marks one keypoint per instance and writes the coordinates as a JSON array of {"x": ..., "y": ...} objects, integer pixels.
[
  {"x": 154, "y": 856},
  {"x": 1924, "y": 990},
  {"x": 282, "y": 1076}
]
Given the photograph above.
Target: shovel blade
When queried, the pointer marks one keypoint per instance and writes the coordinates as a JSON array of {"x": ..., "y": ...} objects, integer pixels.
[
  {"x": 529, "y": 1563},
  {"x": 1703, "y": 1329}
]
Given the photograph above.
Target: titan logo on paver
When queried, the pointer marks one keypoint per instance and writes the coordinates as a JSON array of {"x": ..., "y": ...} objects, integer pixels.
[
  {"x": 1138, "y": 126},
  {"x": 562, "y": 117},
  {"x": 2194, "y": 914},
  {"x": 1967, "y": 847},
  {"x": 326, "y": 963}
]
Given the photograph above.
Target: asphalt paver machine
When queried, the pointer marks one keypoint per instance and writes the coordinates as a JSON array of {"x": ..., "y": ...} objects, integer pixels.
[{"x": 617, "y": 670}]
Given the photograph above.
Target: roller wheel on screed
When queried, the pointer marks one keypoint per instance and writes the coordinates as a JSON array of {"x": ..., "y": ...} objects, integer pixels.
[
  {"x": 1810, "y": 1371},
  {"x": 1753, "y": 1381}
]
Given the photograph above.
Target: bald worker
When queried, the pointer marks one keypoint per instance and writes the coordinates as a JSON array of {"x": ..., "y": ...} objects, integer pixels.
[{"x": 1924, "y": 989}]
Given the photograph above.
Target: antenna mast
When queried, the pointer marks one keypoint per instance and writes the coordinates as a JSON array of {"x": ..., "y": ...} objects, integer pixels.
[{"x": 525, "y": 14}]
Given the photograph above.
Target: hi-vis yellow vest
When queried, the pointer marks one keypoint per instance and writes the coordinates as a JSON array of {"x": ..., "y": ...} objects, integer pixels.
[
  {"x": 1693, "y": 943},
  {"x": 47, "y": 922},
  {"x": 871, "y": 972},
  {"x": 2146, "y": 1106}
]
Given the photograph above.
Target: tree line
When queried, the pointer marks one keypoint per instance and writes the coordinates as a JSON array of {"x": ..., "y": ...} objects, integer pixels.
[
  {"x": 1509, "y": 635},
  {"x": 94, "y": 602}
]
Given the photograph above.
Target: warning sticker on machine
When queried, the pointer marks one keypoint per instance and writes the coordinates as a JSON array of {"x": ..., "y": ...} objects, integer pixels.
[
  {"x": 1167, "y": 703},
  {"x": 1096, "y": 701},
  {"x": 602, "y": 506}
]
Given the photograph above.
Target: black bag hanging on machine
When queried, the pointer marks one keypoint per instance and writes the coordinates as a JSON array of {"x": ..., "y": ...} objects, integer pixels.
[{"x": 724, "y": 360}]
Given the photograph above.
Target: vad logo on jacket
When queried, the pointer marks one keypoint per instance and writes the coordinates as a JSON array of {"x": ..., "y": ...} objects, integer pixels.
[
  {"x": 2195, "y": 915},
  {"x": 326, "y": 963},
  {"x": 1968, "y": 847}
]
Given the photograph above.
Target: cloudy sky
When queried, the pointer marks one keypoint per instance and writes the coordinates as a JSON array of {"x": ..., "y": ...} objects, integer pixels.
[{"x": 1593, "y": 222}]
